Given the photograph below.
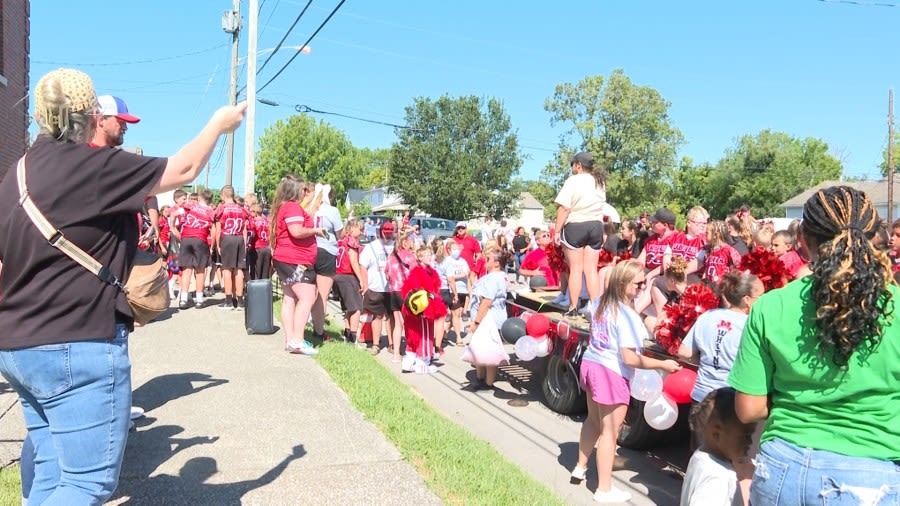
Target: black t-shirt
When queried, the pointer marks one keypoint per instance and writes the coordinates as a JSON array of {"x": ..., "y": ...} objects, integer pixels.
[
  {"x": 93, "y": 196},
  {"x": 520, "y": 243}
]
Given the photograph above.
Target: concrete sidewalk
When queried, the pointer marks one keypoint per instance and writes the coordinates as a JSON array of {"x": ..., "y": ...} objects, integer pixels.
[{"x": 232, "y": 419}]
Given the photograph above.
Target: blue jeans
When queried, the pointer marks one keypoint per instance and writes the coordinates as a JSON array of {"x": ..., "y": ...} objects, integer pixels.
[
  {"x": 790, "y": 475},
  {"x": 519, "y": 257},
  {"x": 76, "y": 398}
]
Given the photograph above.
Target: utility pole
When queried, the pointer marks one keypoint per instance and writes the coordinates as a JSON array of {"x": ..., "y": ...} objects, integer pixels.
[
  {"x": 250, "y": 141},
  {"x": 231, "y": 23},
  {"x": 890, "y": 160}
]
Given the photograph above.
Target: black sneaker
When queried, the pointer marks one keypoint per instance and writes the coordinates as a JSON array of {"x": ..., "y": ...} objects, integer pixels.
[
  {"x": 240, "y": 304},
  {"x": 208, "y": 292},
  {"x": 572, "y": 313},
  {"x": 184, "y": 304},
  {"x": 226, "y": 305}
]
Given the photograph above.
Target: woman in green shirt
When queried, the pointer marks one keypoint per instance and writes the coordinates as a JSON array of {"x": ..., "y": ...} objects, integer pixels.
[{"x": 820, "y": 360}]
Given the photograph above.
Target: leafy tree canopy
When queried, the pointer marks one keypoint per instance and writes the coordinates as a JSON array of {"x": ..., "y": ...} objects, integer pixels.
[
  {"x": 764, "y": 170},
  {"x": 457, "y": 159},
  {"x": 316, "y": 151},
  {"x": 628, "y": 130}
]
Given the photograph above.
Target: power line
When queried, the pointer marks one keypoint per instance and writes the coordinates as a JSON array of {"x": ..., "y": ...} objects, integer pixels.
[
  {"x": 861, "y": 3},
  {"x": 266, "y": 24},
  {"x": 311, "y": 37},
  {"x": 280, "y": 42},
  {"x": 134, "y": 62},
  {"x": 306, "y": 108}
]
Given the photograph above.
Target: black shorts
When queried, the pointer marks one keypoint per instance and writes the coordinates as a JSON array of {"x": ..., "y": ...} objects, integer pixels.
[
  {"x": 234, "y": 252},
  {"x": 194, "y": 254},
  {"x": 291, "y": 274},
  {"x": 579, "y": 235},
  {"x": 377, "y": 303},
  {"x": 447, "y": 297},
  {"x": 395, "y": 301},
  {"x": 326, "y": 263},
  {"x": 347, "y": 287}
]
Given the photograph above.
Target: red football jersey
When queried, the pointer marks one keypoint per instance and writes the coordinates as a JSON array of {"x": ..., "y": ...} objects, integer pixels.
[
  {"x": 197, "y": 221},
  {"x": 233, "y": 218}
]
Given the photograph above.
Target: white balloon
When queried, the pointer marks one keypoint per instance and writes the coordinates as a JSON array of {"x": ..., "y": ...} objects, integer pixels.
[
  {"x": 661, "y": 413},
  {"x": 526, "y": 348},
  {"x": 646, "y": 384},
  {"x": 542, "y": 347}
]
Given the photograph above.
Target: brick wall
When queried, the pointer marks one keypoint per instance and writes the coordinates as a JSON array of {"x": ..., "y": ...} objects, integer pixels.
[{"x": 13, "y": 109}]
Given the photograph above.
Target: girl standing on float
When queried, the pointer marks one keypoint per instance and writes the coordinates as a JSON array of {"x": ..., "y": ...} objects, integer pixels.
[{"x": 579, "y": 228}]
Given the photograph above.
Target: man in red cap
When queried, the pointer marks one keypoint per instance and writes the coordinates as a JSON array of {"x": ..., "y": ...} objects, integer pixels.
[{"x": 112, "y": 122}]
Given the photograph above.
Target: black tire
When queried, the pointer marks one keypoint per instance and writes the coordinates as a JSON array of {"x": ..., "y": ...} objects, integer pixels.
[
  {"x": 635, "y": 433},
  {"x": 560, "y": 386}
]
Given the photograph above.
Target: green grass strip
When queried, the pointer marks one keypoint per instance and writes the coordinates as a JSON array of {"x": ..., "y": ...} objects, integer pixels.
[
  {"x": 458, "y": 467},
  {"x": 10, "y": 485}
]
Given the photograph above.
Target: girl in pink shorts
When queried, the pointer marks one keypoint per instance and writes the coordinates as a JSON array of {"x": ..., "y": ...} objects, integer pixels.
[{"x": 617, "y": 336}]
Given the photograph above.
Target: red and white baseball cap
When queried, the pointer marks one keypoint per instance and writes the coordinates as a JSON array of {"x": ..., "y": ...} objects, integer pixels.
[{"x": 115, "y": 106}]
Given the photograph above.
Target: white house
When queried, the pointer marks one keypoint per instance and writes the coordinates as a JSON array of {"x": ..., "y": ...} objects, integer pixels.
[
  {"x": 528, "y": 212},
  {"x": 876, "y": 191}
]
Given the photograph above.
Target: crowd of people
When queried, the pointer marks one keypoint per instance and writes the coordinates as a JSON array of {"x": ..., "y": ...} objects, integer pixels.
[
  {"x": 795, "y": 400},
  {"x": 804, "y": 340}
]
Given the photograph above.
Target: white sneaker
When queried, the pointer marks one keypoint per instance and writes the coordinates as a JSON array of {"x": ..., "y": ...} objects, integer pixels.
[
  {"x": 408, "y": 364},
  {"x": 304, "y": 348},
  {"x": 136, "y": 413},
  {"x": 579, "y": 474},
  {"x": 613, "y": 495},
  {"x": 425, "y": 368}
]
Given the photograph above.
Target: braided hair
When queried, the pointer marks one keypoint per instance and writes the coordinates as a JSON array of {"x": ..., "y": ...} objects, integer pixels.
[{"x": 850, "y": 276}]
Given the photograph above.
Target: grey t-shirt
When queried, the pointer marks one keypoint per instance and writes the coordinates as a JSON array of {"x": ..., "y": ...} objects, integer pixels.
[
  {"x": 328, "y": 218},
  {"x": 717, "y": 336}
]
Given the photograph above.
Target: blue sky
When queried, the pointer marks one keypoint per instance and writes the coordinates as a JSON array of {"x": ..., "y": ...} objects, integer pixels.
[{"x": 729, "y": 68}]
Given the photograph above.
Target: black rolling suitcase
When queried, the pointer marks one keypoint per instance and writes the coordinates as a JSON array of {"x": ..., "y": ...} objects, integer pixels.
[{"x": 258, "y": 314}]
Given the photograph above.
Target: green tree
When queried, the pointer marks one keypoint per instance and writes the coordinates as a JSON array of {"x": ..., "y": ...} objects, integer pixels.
[
  {"x": 457, "y": 159},
  {"x": 883, "y": 167},
  {"x": 628, "y": 130},
  {"x": 316, "y": 151},
  {"x": 764, "y": 170}
]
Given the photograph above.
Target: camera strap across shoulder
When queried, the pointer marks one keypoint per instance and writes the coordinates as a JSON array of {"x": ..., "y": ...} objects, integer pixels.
[{"x": 55, "y": 237}]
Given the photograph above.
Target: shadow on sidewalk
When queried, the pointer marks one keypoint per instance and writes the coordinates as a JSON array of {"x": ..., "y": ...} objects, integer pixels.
[
  {"x": 163, "y": 389},
  {"x": 649, "y": 471},
  {"x": 189, "y": 488}
]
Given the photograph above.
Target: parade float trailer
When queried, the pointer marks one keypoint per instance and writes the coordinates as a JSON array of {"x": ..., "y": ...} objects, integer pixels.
[{"x": 560, "y": 385}]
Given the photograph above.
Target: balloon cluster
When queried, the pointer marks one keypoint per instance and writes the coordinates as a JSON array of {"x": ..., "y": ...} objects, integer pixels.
[
  {"x": 767, "y": 267},
  {"x": 662, "y": 396},
  {"x": 534, "y": 342},
  {"x": 680, "y": 317}
]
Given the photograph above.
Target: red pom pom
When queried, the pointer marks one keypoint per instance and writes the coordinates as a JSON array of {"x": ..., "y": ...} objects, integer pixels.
[
  {"x": 680, "y": 317},
  {"x": 767, "y": 267},
  {"x": 605, "y": 258},
  {"x": 556, "y": 258}
]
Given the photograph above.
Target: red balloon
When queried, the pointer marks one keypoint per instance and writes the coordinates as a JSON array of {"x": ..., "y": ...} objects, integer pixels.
[
  {"x": 537, "y": 325},
  {"x": 678, "y": 385}
]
